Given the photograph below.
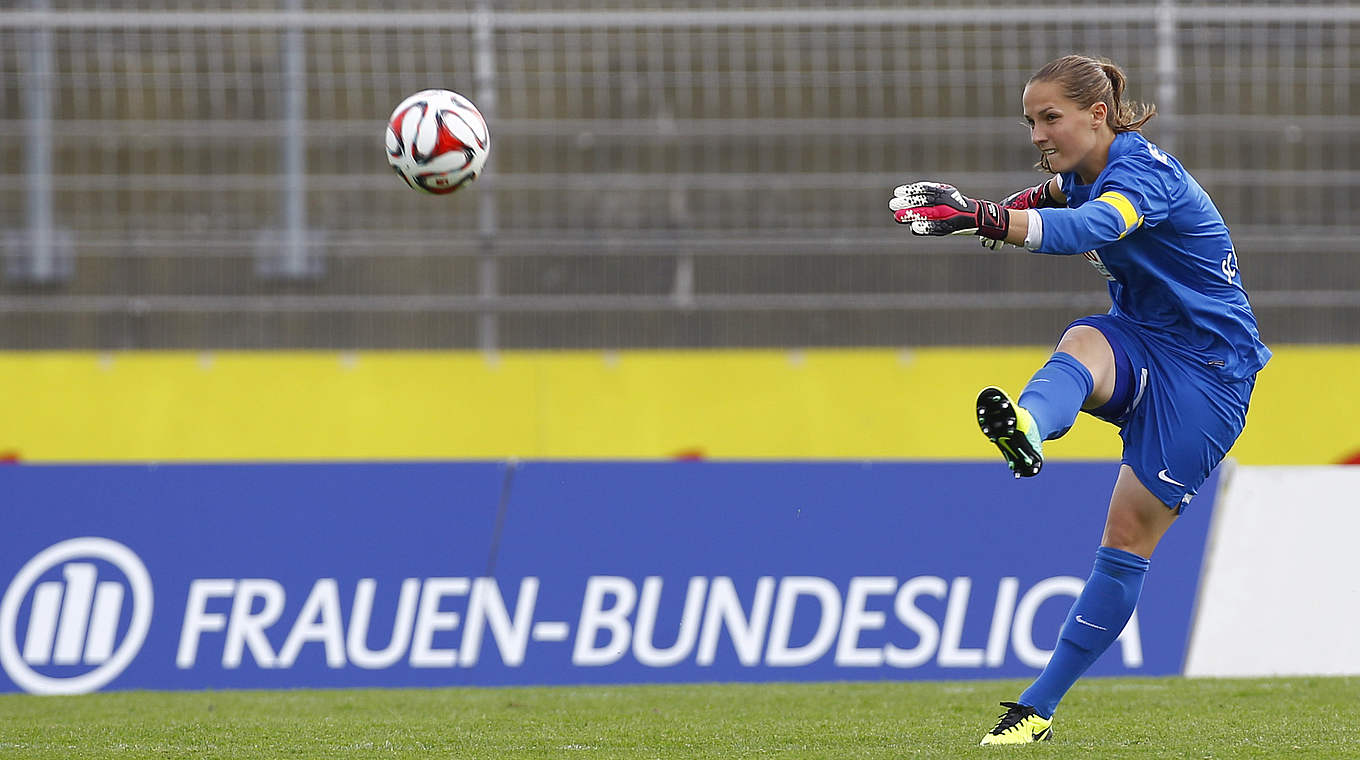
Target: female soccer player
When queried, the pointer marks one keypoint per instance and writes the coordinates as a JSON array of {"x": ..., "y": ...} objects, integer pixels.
[{"x": 1172, "y": 364}]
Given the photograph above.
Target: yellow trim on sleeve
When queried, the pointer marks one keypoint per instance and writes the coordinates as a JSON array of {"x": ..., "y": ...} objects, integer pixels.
[{"x": 1125, "y": 208}]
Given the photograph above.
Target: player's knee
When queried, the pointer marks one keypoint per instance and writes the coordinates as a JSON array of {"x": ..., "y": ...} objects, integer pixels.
[
  {"x": 1088, "y": 345},
  {"x": 1124, "y": 530},
  {"x": 1119, "y": 537}
]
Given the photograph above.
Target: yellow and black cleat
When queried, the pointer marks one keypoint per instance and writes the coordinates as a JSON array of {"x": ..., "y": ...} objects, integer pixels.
[
  {"x": 1013, "y": 431},
  {"x": 1019, "y": 725}
]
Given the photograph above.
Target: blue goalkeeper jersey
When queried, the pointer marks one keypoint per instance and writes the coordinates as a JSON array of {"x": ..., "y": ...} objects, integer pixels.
[{"x": 1153, "y": 232}]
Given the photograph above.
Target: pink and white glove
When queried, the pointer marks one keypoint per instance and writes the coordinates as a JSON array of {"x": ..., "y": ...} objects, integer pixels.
[{"x": 934, "y": 208}]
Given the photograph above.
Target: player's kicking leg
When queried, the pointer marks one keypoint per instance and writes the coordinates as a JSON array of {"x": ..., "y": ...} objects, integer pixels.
[{"x": 1051, "y": 400}]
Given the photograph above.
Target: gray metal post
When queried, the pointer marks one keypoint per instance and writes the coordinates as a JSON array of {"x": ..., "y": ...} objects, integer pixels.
[
  {"x": 483, "y": 39},
  {"x": 292, "y": 252},
  {"x": 1168, "y": 78},
  {"x": 294, "y": 262},
  {"x": 40, "y": 253}
]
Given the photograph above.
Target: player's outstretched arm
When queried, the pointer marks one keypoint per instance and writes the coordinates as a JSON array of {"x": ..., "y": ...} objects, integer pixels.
[{"x": 934, "y": 208}]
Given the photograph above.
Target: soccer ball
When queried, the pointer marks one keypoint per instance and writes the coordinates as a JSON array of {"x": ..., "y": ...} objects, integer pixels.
[{"x": 437, "y": 141}]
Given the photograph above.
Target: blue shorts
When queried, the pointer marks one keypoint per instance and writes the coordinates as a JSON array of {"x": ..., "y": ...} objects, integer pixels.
[{"x": 1177, "y": 418}]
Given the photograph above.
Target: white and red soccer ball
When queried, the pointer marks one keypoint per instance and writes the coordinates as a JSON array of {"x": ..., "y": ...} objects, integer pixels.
[{"x": 437, "y": 141}]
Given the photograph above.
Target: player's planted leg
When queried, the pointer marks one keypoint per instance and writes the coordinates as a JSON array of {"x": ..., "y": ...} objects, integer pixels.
[{"x": 1094, "y": 623}]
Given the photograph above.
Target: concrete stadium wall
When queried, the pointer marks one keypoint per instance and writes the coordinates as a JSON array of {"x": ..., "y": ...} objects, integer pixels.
[{"x": 833, "y": 404}]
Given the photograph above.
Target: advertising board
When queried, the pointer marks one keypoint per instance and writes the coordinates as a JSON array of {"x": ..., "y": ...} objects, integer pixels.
[{"x": 489, "y": 573}]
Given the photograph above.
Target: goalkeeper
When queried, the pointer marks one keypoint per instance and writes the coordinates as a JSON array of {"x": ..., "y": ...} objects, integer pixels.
[{"x": 1172, "y": 363}]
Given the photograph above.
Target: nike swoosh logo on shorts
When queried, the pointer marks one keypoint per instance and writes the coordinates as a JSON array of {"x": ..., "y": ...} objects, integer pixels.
[{"x": 1162, "y": 476}]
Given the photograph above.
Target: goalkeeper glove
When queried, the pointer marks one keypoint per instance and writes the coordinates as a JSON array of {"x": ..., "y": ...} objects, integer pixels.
[
  {"x": 934, "y": 208},
  {"x": 1038, "y": 196}
]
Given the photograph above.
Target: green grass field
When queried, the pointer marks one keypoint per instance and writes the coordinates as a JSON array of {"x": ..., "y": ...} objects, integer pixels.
[{"x": 1101, "y": 718}]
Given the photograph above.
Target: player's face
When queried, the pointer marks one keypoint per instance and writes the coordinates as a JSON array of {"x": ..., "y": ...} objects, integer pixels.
[{"x": 1066, "y": 135}]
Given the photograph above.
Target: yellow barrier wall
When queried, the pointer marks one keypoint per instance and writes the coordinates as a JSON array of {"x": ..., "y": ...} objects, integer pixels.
[{"x": 641, "y": 404}]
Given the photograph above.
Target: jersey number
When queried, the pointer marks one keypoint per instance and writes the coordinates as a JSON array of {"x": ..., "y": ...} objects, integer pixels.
[{"x": 1229, "y": 266}]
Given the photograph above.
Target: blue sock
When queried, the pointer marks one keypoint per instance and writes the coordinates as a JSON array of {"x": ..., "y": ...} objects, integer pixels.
[
  {"x": 1055, "y": 394},
  {"x": 1093, "y": 624}
]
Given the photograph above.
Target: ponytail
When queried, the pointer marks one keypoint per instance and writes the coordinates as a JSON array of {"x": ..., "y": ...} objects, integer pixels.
[{"x": 1124, "y": 117}]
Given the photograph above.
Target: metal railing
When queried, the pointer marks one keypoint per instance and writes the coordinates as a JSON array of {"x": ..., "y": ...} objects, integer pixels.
[{"x": 672, "y": 176}]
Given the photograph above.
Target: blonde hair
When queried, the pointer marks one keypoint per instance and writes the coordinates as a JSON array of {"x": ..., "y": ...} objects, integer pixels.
[{"x": 1086, "y": 81}]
